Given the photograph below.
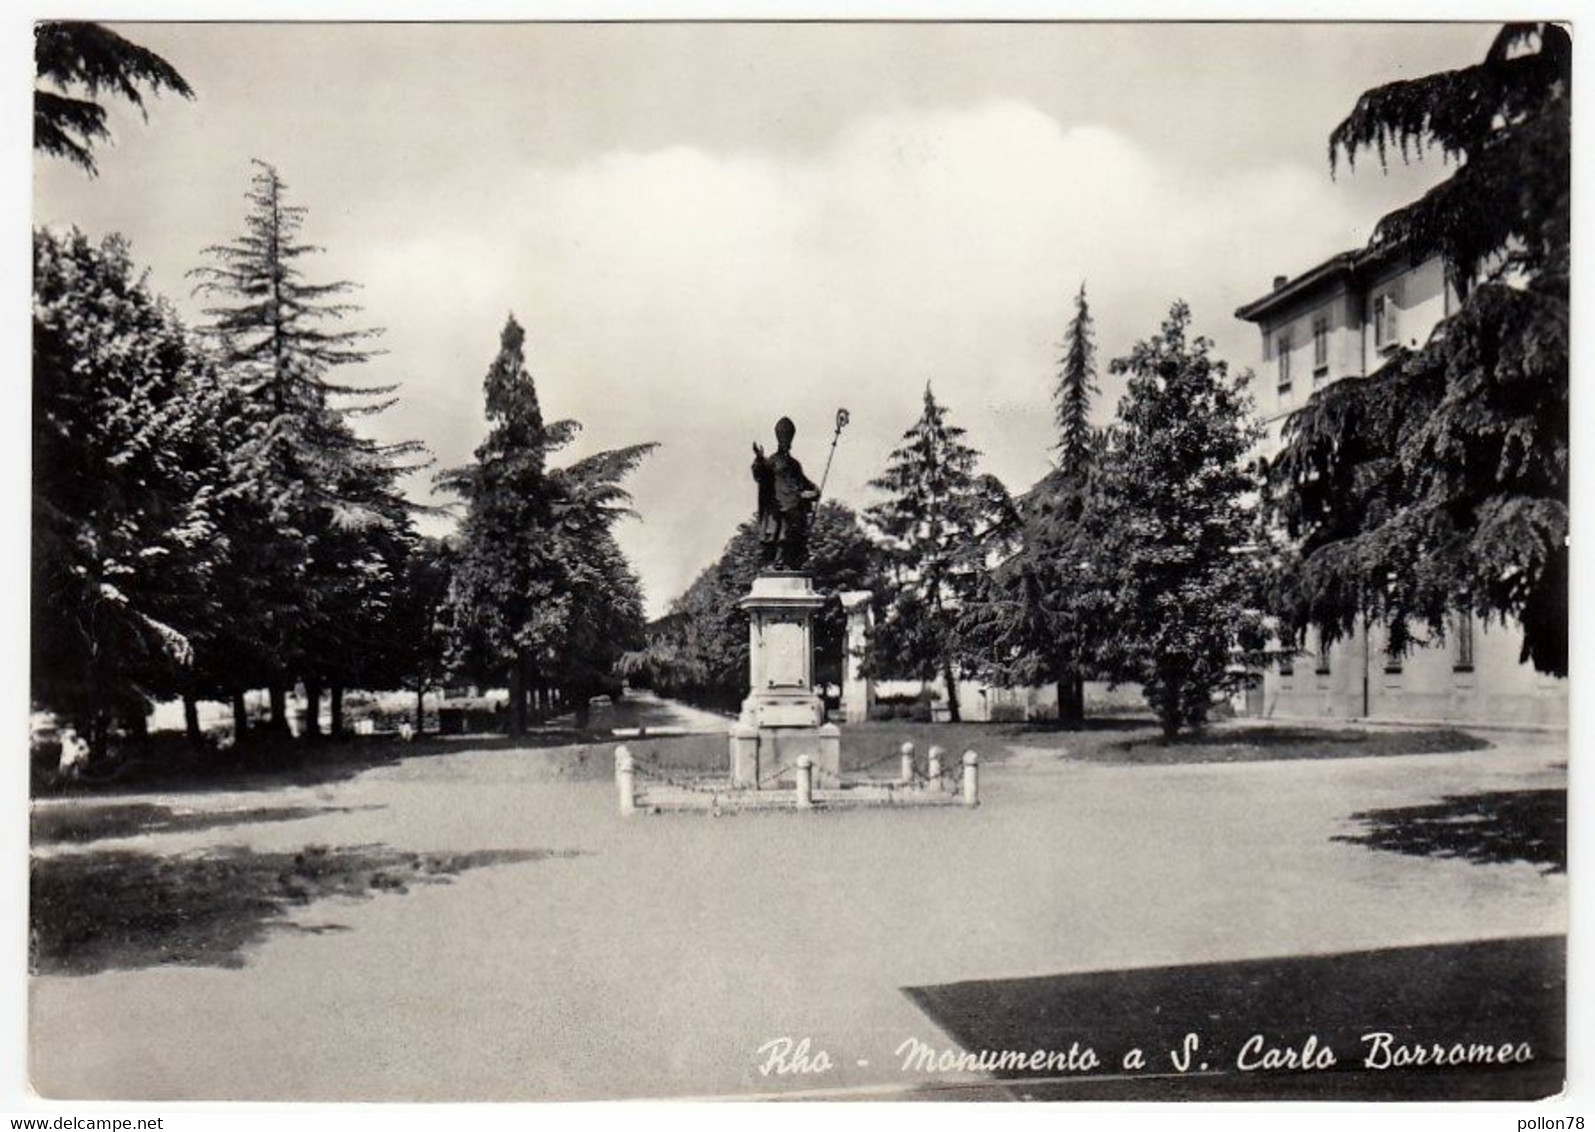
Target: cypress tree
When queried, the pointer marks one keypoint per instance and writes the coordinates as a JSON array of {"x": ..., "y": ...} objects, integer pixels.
[
  {"x": 1075, "y": 389},
  {"x": 540, "y": 595}
]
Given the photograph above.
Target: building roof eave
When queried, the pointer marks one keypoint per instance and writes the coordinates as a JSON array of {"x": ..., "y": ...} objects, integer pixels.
[
  {"x": 1345, "y": 265},
  {"x": 1333, "y": 267}
]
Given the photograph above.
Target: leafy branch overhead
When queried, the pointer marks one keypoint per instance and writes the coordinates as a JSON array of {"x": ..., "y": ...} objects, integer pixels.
[
  {"x": 1440, "y": 483},
  {"x": 1507, "y": 121},
  {"x": 80, "y": 59}
]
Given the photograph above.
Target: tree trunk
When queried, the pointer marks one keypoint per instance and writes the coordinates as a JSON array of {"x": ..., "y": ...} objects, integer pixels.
[
  {"x": 191, "y": 719},
  {"x": 138, "y": 724},
  {"x": 312, "y": 709},
  {"x": 584, "y": 711},
  {"x": 240, "y": 718},
  {"x": 1071, "y": 700},
  {"x": 97, "y": 736},
  {"x": 279, "y": 708},
  {"x": 420, "y": 708},
  {"x": 952, "y": 690},
  {"x": 518, "y": 698},
  {"x": 336, "y": 707},
  {"x": 1168, "y": 705}
]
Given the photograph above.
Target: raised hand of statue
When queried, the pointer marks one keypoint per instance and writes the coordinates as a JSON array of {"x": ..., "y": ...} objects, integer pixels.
[{"x": 758, "y": 450}]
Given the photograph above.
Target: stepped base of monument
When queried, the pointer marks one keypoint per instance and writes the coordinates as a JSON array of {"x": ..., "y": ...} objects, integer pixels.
[{"x": 765, "y": 758}]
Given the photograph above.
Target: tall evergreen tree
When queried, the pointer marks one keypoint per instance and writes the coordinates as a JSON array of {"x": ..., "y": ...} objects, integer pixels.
[
  {"x": 270, "y": 320},
  {"x": 1028, "y": 622},
  {"x": 942, "y": 525},
  {"x": 1169, "y": 523},
  {"x": 76, "y": 59},
  {"x": 339, "y": 526},
  {"x": 1440, "y": 482},
  {"x": 538, "y": 579},
  {"x": 1076, "y": 387}
]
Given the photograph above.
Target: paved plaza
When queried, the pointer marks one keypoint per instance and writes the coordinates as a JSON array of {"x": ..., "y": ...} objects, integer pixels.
[{"x": 654, "y": 956}]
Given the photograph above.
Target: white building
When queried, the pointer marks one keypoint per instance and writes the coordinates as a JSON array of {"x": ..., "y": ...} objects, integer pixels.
[{"x": 1338, "y": 321}]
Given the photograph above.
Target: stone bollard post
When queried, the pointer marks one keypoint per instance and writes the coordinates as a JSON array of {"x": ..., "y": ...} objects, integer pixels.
[
  {"x": 971, "y": 779},
  {"x": 934, "y": 771},
  {"x": 805, "y": 782},
  {"x": 626, "y": 780},
  {"x": 907, "y": 775}
]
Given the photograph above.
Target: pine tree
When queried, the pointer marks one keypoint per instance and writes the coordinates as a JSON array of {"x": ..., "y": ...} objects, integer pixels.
[
  {"x": 538, "y": 579},
  {"x": 941, "y": 526},
  {"x": 83, "y": 58},
  {"x": 1440, "y": 482},
  {"x": 1168, "y": 524},
  {"x": 275, "y": 317},
  {"x": 339, "y": 526}
]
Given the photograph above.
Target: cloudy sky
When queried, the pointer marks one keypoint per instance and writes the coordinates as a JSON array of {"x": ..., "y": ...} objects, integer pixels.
[{"x": 705, "y": 227}]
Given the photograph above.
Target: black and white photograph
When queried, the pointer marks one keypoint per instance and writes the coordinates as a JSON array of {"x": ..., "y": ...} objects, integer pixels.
[{"x": 796, "y": 559}]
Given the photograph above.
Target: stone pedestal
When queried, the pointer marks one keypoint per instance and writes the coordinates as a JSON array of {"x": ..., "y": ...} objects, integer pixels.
[{"x": 782, "y": 717}]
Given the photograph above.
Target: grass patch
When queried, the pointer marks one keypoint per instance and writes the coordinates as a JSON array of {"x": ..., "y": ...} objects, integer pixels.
[
  {"x": 270, "y": 763},
  {"x": 92, "y": 912},
  {"x": 1270, "y": 744},
  {"x": 78, "y": 824},
  {"x": 1138, "y": 742}
]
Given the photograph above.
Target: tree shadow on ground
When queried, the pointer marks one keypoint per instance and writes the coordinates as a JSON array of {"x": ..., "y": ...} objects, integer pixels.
[
  {"x": 1495, "y": 828},
  {"x": 78, "y": 824},
  {"x": 115, "y": 910},
  {"x": 1488, "y": 993}
]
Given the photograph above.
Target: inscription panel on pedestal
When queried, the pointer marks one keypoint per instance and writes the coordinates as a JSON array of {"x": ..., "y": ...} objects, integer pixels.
[
  {"x": 790, "y": 714},
  {"x": 786, "y": 646}
]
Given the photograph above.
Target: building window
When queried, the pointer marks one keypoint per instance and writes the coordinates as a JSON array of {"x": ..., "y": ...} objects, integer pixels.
[
  {"x": 1282, "y": 346},
  {"x": 1464, "y": 634},
  {"x": 1322, "y": 667},
  {"x": 1392, "y": 664},
  {"x": 1320, "y": 348},
  {"x": 1287, "y": 667},
  {"x": 1386, "y": 332}
]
